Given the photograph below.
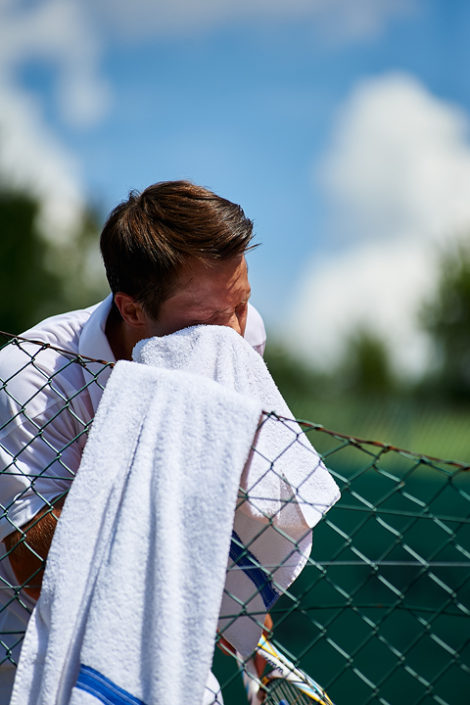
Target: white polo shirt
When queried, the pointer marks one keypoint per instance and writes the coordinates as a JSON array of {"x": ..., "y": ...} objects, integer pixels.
[{"x": 47, "y": 402}]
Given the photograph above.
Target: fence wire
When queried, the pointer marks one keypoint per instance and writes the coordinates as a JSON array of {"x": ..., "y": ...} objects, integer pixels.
[{"x": 379, "y": 613}]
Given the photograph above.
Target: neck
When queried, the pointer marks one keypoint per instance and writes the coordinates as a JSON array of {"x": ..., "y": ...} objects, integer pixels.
[{"x": 120, "y": 336}]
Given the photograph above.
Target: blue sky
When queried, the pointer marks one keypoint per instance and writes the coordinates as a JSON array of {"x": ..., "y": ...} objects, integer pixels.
[{"x": 341, "y": 128}]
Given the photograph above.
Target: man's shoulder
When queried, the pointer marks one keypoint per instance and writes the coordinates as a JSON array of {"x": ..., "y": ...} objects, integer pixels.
[
  {"x": 61, "y": 330},
  {"x": 26, "y": 360}
]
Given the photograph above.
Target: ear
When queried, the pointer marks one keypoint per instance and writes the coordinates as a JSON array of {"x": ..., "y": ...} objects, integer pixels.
[{"x": 131, "y": 310}]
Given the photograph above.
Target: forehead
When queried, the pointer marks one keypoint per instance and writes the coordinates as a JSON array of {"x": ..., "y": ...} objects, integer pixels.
[{"x": 201, "y": 282}]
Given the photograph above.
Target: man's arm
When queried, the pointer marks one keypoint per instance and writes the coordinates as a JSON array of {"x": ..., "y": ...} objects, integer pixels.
[{"x": 29, "y": 546}]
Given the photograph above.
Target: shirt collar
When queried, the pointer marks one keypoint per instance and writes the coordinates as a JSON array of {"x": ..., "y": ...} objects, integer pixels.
[{"x": 93, "y": 341}]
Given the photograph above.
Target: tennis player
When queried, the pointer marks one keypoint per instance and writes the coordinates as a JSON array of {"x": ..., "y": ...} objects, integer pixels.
[{"x": 174, "y": 257}]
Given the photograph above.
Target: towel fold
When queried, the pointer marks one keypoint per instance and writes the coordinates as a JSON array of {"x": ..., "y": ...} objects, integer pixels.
[
  {"x": 284, "y": 465},
  {"x": 135, "y": 574},
  {"x": 285, "y": 487}
]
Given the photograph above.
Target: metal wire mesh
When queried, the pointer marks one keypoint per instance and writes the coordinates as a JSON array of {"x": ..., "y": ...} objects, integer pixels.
[{"x": 380, "y": 612}]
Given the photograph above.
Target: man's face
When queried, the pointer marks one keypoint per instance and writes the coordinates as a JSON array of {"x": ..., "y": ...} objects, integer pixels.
[{"x": 211, "y": 293}]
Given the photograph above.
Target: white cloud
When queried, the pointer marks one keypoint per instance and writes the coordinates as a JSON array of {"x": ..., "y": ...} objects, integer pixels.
[
  {"x": 340, "y": 19},
  {"x": 68, "y": 36},
  {"x": 31, "y": 155},
  {"x": 397, "y": 175},
  {"x": 399, "y": 162},
  {"x": 62, "y": 33},
  {"x": 31, "y": 158},
  {"x": 376, "y": 287}
]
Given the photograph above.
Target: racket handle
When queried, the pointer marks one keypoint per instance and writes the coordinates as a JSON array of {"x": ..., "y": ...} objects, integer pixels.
[{"x": 251, "y": 682}]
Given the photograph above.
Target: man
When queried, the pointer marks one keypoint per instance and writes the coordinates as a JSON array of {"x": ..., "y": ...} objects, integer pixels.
[{"x": 174, "y": 257}]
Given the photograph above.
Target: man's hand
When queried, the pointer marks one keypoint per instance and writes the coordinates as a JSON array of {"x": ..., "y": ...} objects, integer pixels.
[{"x": 28, "y": 547}]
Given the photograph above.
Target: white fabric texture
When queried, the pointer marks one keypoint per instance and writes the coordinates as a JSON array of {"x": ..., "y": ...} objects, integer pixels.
[
  {"x": 29, "y": 403},
  {"x": 285, "y": 488},
  {"x": 136, "y": 569}
]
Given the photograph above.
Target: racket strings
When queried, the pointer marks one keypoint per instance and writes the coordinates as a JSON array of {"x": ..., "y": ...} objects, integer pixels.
[{"x": 281, "y": 692}]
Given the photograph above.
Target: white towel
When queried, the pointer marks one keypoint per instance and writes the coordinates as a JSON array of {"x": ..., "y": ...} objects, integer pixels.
[
  {"x": 135, "y": 574},
  {"x": 285, "y": 488}
]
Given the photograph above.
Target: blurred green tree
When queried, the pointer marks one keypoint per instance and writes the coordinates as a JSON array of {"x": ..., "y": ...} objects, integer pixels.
[
  {"x": 364, "y": 371},
  {"x": 295, "y": 379},
  {"x": 37, "y": 277},
  {"x": 446, "y": 317},
  {"x": 26, "y": 285},
  {"x": 366, "y": 367}
]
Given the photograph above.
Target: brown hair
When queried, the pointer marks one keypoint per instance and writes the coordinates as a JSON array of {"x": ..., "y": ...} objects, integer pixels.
[{"x": 147, "y": 239}]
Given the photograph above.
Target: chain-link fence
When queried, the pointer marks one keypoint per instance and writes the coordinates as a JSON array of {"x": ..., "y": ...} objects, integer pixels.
[{"x": 379, "y": 613}]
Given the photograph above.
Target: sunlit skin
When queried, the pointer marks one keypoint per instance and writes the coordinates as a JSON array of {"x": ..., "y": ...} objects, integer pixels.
[
  {"x": 205, "y": 292},
  {"x": 214, "y": 293}
]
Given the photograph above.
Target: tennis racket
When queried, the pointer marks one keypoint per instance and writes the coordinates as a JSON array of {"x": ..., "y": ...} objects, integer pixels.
[{"x": 281, "y": 683}]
